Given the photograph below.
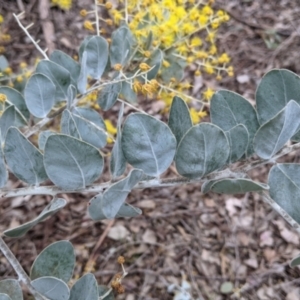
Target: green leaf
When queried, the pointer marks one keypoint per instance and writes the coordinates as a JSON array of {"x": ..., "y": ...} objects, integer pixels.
[
  {"x": 57, "y": 260},
  {"x": 82, "y": 79},
  {"x": 148, "y": 144},
  {"x": 276, "y": 132},
  {"x": 39, "y": 95},
  {"x": 274, "y": 92},
  {"x": 114, "y": 197},
  {"x": 9, "y": 118},
  {"x": 70, "y": 163},
  {"x": 234, "y": 186},
  {"x": 226, "y": 287},
  {"x": 91, "y": 115},
  {"x": 68, "y": 63},
  {"x": 23, "y": 158},
  {"x": 58, "y": 75},
  {"x": 11, "y": 288},
  {"x": 202, "y": 150},
  {"x": 108, "y": 96},
  {"x": 3, "y": 63},
  {"x": 14, "y": 97},
  {"x": 179, "y": 120},
  {"x": 53, "y": 207},
  {"x": 86, "y": 288},
  {"x": 175, "y": 70},
  {"x": 127, "y": 92},
  {"x": 68, "y": 125},
  {"x": 238, "y": 138},
  {"x": 295, "y": 261},
  {"x": 154, "y": 61},
  {"x": 97, "y": 56},
  {"x": 43, "y": 138},
  {"x": 72, "y": 91},
  {"x": 284, "y": 182},
  {"x": 96, "y": 213},
  {"x": 117, "y": 159},
  {"x": 82, "y": 46},
  {"x": 5, "y": 297},
  {"x": 52, "y": 288},
  {"x": 90, "y": 132},
  {"x": 103, "y": 289},
  {"x": 3, "y": 171},
  {"x": 228, "y": 109},
  {"x": 121, "y": 43}
]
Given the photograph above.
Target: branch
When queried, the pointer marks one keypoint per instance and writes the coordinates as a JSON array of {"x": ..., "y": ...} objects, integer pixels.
[
  {"x": 23, "y": 277},
  {"x": 281, "y": 211},
  {"x": 31, "y": 38}
]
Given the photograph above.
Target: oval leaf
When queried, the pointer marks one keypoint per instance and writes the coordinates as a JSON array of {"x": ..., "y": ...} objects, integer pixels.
[
  {"x": 3, "y": 170},
  {"x": 70, "y": 163},
  {"x": 148, "y": 144},
  {"x": 11, "y": 288},
  {"x": 90, "y": 132},
  {"x": 72, "y": 91},
  {"x": 127, "y": 92},
  {"x": 58, "y": 75},
  {"x": 203, "y": 149},
  {"x": 275, "y": 133},
  {"x": 53, "y": 207},
  {"x": 91, "y": 115},
  {"x": 15, "y": 98},
  {"x": 86, "y": 288},
  {"x": 284, "y": 182},
  {"x": 295, "y": 261},
  {"x": 52, "y": 288},
  {"x": 116, "y": 194},
  {"x": 68, "y": 125},
  {"x": 39, "y": 95},
  {"x": 5, "y": 297},
  {"x": 237, "y": 186},
  {"x": 274, "y": 92},
  {"x": 117, "y": 159},
  {"x": 97, "y": 56},
  {"x": 108, "y": 96},
  {"x": 238, "y": 138},
  {"x": 68, "y": 63},
  {"x": 23, "y": 158},
  {"x": 121, "y": 43},
  {"x": 154, "y": 62},
  {"x": 179, "y": 120},
  {"x": 57, "y": 260},
  {"x": 82, "y": 78},
  {"x": 43, "y": 136},
  {"x": 228, "y": 109},
  {"x": 9, "y": 118}
]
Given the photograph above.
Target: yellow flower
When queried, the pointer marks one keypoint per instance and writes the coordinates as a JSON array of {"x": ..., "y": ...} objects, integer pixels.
[
  {"x": 144, "y": 67},
  {"x": 207, "y": 95},
  {"x": 117, "y": 67},
  {"x": 108, "y": 5},
  {"x": 194, "y": 116},
  {"x": 23, "y": 65},
  {"x": 1, "y": 19},
  {"x": 83, "y": 13},
  {"x": 111, "y": 129},
  {"x": 19, "y": 78},
  {"x": 7, "y": 71},
  {"x": 2, "y": 98},
  {"x": 88, "y": 25}
]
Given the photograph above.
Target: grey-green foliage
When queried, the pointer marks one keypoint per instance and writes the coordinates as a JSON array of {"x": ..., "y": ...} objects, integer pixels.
[
  {"x": 57, "y": 260},
  {"x": 11, "y": 288},
  {"x": 54, "y": 206},
  {"x": 145, "y": 147},
  {"x": 52, "y": 288}
]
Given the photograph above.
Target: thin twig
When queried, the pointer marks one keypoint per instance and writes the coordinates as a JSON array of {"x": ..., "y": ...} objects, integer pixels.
[
  {"x": 22, "y": 276},
  {"x": 31, "y": 38},
  {"x": 97, "y": 18}
]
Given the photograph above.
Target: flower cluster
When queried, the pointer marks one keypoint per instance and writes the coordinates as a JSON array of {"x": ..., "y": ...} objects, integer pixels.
[
  {"x": 185, "y": 31},
  {"x": 4, "y": 37},
  {"x": 62, "y": 4}
]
